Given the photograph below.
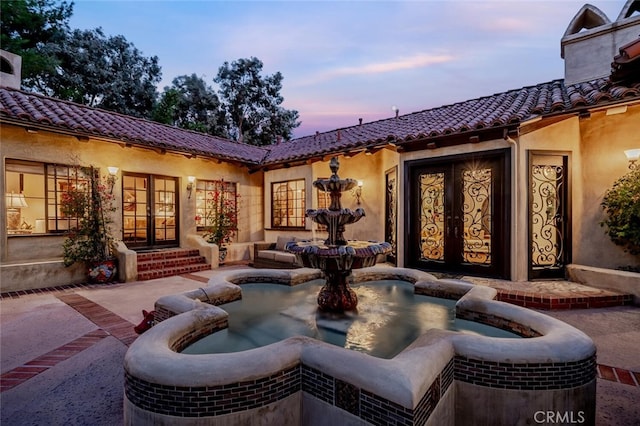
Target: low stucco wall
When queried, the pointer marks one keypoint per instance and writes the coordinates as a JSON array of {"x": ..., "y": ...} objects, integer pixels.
[
  {"x": 39, "y": 274},
  {"x": 607, "y": 279},
  {"x": 554, "y": 368}
]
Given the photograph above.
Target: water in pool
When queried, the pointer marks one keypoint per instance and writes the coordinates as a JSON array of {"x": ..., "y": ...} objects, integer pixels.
[{"x": 389, "y": 317}]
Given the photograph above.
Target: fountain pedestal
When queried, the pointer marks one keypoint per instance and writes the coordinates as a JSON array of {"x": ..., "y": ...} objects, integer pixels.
[{"x": 337, "y": 257}]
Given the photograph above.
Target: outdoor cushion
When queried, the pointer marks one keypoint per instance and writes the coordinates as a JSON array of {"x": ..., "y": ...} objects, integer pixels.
[
  {"x": 267, "y": 254},
  {"x": 282, "y": 242},
  {"x": 285, "y": 257}
]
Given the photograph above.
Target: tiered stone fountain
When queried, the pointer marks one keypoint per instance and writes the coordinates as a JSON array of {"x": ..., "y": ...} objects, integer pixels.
[{"x": 337, "y": 257}]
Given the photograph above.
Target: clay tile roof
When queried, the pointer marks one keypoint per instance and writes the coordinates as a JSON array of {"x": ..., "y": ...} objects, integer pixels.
[
  {"x": 35, "y": 109},
  {"x": 625, "y": 68},
  {"x": 498, "y": 110},
  {"x": 471, "y": 116}
]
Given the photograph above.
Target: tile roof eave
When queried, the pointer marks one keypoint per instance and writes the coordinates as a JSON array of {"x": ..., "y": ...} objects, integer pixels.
[
  {"x": 29, "y": 124},
  {"x": 36, "y": 110}
]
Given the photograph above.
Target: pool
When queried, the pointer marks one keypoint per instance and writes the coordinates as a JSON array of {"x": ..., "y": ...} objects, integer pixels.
[{"x": 389, "y": 317}]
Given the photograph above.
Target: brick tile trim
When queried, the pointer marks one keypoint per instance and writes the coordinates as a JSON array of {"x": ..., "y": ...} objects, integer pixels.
[
  {"x": 210, "y": 401},
  {"x": 525, "y": 376}
]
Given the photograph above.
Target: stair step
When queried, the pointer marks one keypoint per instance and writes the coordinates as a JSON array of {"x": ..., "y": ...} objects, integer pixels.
[
  {"x": 166, "y": 263},
  {"x": 170, "y": 263},
  {"x": 170, "y": 272},
  {"x": 167, "y": 254}
]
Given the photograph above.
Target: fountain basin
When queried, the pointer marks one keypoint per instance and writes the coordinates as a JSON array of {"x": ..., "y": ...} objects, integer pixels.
[
  {"x": 442, "y": 377},
  {"x": 353, "y": 255}
]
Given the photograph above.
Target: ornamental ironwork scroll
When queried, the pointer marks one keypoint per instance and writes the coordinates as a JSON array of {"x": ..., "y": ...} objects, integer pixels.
[
  {"x": 432, "y": 220},
  {"x": 391, "y": 221},
  {"x": 476, "y": 216},
  {"x": 547, "y": 237}
]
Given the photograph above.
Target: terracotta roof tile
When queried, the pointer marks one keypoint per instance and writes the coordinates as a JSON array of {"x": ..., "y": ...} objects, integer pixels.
[
  {"x": 40, "y": 110},
  {"x": 495, "y": 111},
  {"x": 498, "y": 110}
]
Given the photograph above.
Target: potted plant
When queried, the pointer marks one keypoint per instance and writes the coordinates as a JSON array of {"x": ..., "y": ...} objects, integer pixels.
[
  {"x": 88, "y": 204},
  {"x": 221, "y": 218}
]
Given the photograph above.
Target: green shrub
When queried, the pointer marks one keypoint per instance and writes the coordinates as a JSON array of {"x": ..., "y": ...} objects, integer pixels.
[{"x": 622, "y": 206}]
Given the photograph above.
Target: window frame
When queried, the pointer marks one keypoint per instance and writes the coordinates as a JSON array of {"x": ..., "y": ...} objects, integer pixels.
[
  {"x": 54, "y": 178},
  {"x": 298, "y": 213},
  {"x": 230, "y": 192}
]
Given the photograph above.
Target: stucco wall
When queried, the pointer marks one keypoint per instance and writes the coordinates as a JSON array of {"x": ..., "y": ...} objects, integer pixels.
[
  {"x": 604, "y": 140},
  {"x": 48, "y": 147},
  {"x": 369, "y": 169}
]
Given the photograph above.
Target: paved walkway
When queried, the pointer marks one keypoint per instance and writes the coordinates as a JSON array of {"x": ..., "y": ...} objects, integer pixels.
[{"x": 62, "y": 349}]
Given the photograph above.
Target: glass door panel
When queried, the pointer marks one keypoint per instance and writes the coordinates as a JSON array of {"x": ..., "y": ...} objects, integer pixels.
[
  {"x": 135, "y": 210},
  {"x": 476, "y": 216},
  {"x": 165, "y": 209},
  {"x": 432, "y": 219},
  {"x": 548, "y": 216},
  {"x": 149, "y": 206}
]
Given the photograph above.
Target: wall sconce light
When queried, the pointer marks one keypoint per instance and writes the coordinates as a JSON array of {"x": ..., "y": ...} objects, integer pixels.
[
  {"x": 357, "y": 192},
  {"x": 191, "y": 180},
  {"x": 111, "y": 180},
  {"x": 632, "y": 155}
]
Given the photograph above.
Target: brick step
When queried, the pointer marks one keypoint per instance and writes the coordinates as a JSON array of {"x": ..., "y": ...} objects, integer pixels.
[
  {"x": 553, "y": 302},
  {"x": 167, "y": 254},
  {"x": 166, "y": 263},
  {"x": 169, "y": 263},
  {"x": 169, "y": 272}
]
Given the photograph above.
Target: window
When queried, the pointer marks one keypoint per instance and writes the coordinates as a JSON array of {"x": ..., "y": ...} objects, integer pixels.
[
  {"x": 32, "y": 196},
  {"x": 288, "y": 204},
  {"x": 215, "y": 196}
]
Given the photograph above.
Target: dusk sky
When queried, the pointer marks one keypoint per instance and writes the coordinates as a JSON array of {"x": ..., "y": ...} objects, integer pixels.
[{"x": 346, "y": 60}]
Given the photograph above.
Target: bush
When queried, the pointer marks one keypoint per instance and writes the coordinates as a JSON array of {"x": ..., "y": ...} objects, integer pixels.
[{"x": 622, "y": 206}]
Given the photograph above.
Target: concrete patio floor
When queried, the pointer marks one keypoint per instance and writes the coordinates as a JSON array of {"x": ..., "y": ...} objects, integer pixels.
[{"x": 62, "y": 350}]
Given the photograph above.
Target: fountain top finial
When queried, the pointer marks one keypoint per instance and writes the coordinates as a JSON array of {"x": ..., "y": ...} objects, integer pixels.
[{"x": 334, "y": 165}]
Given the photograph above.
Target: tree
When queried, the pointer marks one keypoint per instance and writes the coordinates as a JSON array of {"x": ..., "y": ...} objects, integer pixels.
[
  {"x": 190, "y": 104},
  {"x": 27, "y": 26},
  {"x": 251, "y": 103},
  {"x": 104, "y": 72}
]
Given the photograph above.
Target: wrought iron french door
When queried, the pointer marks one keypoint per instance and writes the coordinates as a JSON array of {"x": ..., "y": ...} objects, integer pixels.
[
  {"x": 149, "y": 210},
  {"x": 549, "y": 214},
  {"x": 391, "y": 213},
  {"x": 458, "y": 214}
]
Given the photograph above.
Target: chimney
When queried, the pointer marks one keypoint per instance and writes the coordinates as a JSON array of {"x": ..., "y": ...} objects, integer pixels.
[
  {"x": 591, "y": 41},
  {"x": 10, "y": 69}
]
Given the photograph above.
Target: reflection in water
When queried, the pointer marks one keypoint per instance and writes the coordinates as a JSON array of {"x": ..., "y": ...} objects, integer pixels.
[{"x": 389, "y": 317}]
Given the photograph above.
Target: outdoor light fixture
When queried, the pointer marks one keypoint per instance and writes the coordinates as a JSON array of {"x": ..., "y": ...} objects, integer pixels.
[
  {"x": 191, "y": 179},
  {"x": 111, "y": 180},
  {"x": 357, "y": 192},
  {"x": 396, "y": 110},
  {"x": 632, "y": 155},
  {"x": 14, "y": 202}
]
